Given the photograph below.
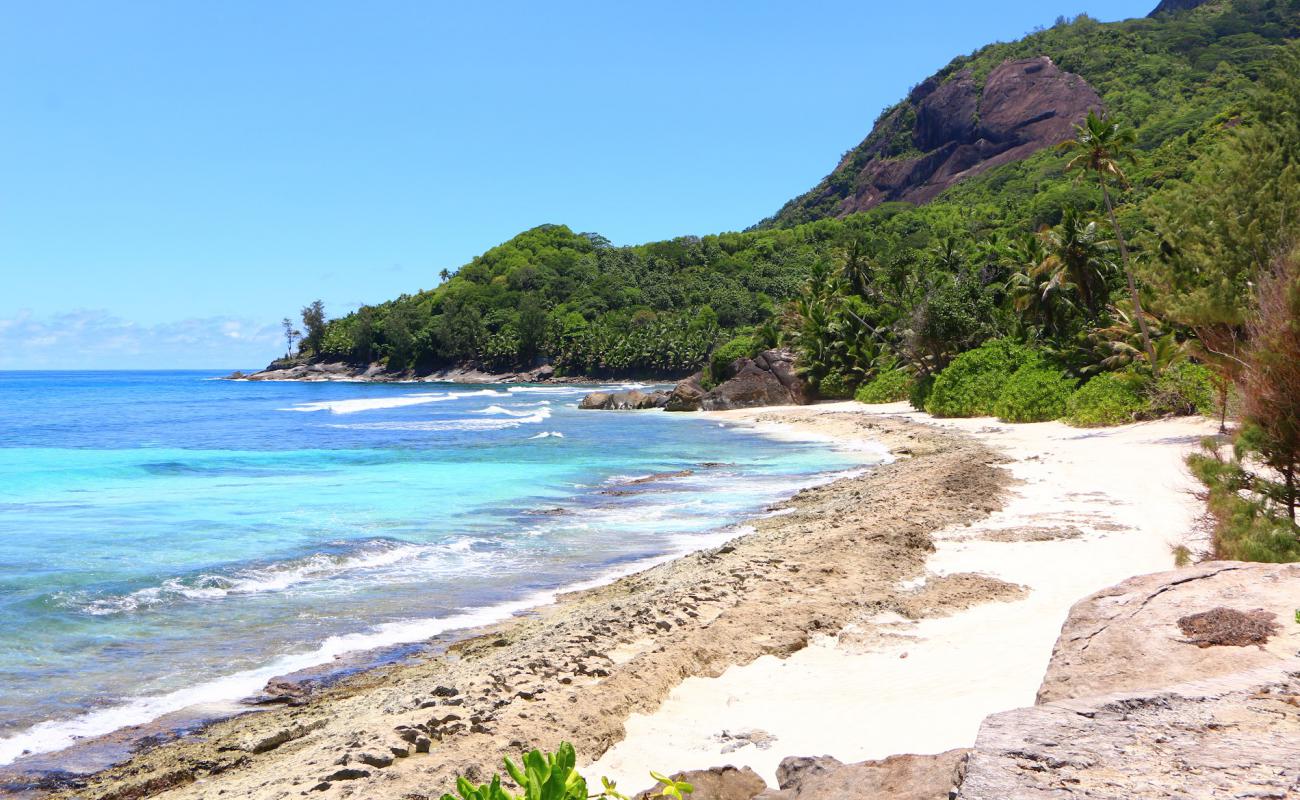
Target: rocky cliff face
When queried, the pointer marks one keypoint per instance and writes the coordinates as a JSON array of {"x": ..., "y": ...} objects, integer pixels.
[
  {"x": 951, "y": 129},
  {"x": 1171, "y": 6}
]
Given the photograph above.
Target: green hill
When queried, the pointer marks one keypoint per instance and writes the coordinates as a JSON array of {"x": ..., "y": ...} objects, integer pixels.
[{"x": 1179, "y": 79}]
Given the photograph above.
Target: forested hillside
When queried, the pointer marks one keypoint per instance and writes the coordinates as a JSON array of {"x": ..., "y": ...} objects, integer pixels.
[{"x": 895, "y": 283}]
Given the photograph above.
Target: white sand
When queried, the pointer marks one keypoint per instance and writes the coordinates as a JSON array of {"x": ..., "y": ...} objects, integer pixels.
[{"x": 928, "y": 688}]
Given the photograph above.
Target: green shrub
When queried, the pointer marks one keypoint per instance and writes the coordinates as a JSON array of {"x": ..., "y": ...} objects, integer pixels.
[
  {"x": 920, "y": 393},
  {"x": 1113, "y": 398},
  {"x": 1245, "y": 528},
  {"x": 1182, "y": 390},
  {"x": 972, "y": 383},
  {"x": 722, "y": 357},
  {"x": 834, "y": 386},
  {"x": 1035, "y": 393},
  {"x": 543, "y": 776},
  {"x": 889, "y": 386}
]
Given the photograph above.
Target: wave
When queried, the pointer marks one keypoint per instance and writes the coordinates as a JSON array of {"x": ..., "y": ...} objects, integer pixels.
[
  {"x": 274, "y": 577},
  {"x": 532, "y": 418},
  {"x": 55, "y": 735},
  {"x": 52, "y": 735},
  {"x": 548, "y": 435},
  {"x": 502, "y": 411},
  {"x": 399, "y": 401}
]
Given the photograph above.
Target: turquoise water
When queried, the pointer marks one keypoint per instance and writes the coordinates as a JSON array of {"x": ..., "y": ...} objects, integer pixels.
[{"x": 167, "y": 539}]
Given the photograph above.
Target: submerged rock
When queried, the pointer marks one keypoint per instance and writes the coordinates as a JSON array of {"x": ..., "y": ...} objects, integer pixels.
[{"x": 633, "y": 400}]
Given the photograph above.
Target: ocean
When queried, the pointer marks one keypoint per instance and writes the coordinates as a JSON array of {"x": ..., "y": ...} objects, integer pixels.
[{"x": 168, "y": 539}]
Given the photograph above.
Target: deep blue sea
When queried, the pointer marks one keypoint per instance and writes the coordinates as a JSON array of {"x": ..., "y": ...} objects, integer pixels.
[{"x": 169, "y": 539}]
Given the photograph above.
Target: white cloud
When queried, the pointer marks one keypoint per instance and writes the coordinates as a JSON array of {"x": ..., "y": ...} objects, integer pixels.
[{"x": 97, "y": 339}]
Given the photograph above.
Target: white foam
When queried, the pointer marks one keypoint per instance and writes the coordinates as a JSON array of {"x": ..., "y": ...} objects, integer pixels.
[
  {"x": 370, "y": 404},
  {"x": 398, "y": 401},
  {"x": 549, "y": 390},
  {"x": 547, "y": 435},
  {"x": 533, "y": 418},
  {"x": 502, "y": 411},
  {"x": 55, "y": 735},
  {"x": 273, "y": 578}
]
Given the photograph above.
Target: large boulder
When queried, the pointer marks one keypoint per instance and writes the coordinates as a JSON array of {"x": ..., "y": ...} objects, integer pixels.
[
  {"x": 633, "y": 400},
  {"x": 768, "y": 379},
  {"x": 750, "y": 388},
  {"x": 780, "y": 362},
  {"x": 1128, "y": 637},
  {"x": 1171, "y": 685},
  {"x": 687, "y": 395}
]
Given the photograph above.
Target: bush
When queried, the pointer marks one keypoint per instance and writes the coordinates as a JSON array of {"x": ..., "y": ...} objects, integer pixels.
[
  {"x": 1246, "y": 529},
  {"x": 834, "y": 386},
  {"x": 889, "y": 386},
  {"x": 1182, "y": 390},
  {"x": 972, "y": 383},
  {"x": 1114, "y": 398},
  {"x": 722, "y": 357},
  {"x": 1036, "y": 393}
]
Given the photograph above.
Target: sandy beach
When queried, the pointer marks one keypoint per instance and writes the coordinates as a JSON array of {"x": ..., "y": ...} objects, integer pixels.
[
  {"x": 883, "y": 613},
  {"x": 1087, "y": 509}
]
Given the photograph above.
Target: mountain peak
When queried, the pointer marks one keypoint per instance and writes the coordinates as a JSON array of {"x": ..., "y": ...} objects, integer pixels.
[{"x": 1173, "y": 6}]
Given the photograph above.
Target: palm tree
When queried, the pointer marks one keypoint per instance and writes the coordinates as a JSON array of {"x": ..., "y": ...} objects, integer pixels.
[
  {"x": 444, "y": 275},
  {"x": 1099, "y": 146},
  {"x": 1077, "y": 249}
]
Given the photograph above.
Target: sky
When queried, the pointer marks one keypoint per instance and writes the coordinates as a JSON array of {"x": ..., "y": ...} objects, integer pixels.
[{"x": 177, "y": 176}]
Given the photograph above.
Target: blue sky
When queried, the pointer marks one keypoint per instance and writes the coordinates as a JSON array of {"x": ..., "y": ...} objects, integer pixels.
[{"x": 178, "y": 176}]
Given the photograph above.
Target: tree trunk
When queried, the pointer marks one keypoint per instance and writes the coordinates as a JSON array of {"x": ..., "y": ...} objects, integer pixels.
[
  {"x": 1132, "y": 284},
  {"x": 1290, "y": 493}
]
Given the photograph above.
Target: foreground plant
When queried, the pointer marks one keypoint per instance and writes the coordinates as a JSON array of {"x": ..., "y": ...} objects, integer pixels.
[{"x": 543, "y": 776}]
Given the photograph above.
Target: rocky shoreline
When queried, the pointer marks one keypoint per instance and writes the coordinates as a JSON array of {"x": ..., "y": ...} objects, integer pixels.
[
  {"x": 577, "y": 669},
  {"x": 314, "y": 370}
]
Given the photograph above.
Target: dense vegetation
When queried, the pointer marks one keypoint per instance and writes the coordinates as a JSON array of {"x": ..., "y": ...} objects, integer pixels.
[{"x": 1109, "y": 283}]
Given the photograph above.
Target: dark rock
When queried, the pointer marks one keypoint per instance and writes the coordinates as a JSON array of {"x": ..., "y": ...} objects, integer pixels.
[
  {"x": 633, "y": 400},
  {"x": 768, "y": 379},
  {"x": 752, "y": 387},
  {"x": 718, "y": 783},
  {"x": 781, "y": 364},
  {"x": 948, "y": 113},
  {"x": 687, "y": 395}
]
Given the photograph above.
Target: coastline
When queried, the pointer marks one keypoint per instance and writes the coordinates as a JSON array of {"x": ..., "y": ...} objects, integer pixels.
[
  {"x": 103, "y": 736},
  {"x": 575, "y": 669},
  {"x": 663, "y": 668}
]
